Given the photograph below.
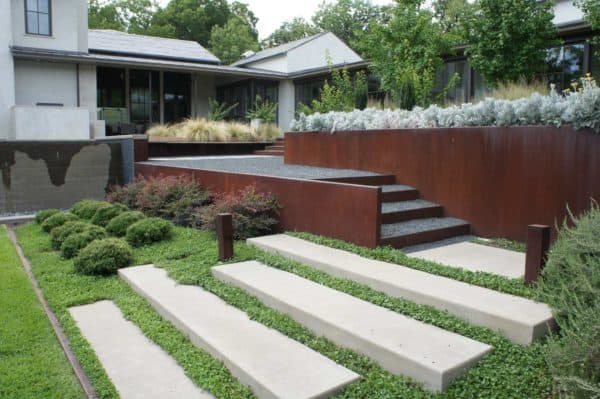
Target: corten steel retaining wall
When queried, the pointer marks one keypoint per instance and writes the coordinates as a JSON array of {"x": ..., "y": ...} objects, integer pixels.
[
  {"x": 498, "y": 178},
  {"x": 344, "y": 211},
  {"x": 52, "y": 174}
]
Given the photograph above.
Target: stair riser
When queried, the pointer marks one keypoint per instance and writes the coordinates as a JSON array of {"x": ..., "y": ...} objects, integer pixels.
[
  {"x": 396, "y": 196},
  {"x": 420, "y": 213},
  {"x": 365, "y": 180},
  {"x": 425, "y": 236},
  {"x": 267, "y": 152},
  {"x": 275, "y": 147}
]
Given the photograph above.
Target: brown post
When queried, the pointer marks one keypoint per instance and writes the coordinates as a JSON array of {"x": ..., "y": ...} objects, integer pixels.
[
  {"x": 538, "y": 242},
  {"x": 225, "y": 236}
]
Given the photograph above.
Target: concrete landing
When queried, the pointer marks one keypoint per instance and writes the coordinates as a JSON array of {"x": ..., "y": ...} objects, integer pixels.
[
  {"x": 402, "y": 345},
  {"x": 137, "y": 367},
  {"x": 477, "y": 258},
  {"x": 273, "y": 365},
  {"x": 519, "y": 319}
]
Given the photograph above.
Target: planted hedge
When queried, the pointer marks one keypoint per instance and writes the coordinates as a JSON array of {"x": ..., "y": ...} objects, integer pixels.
[
  {"x": 119, "y": 225},
  {"x": 57, "y": 219},
  {"x": 74, "y": 243},
  {"x": 103, "y": 257}
]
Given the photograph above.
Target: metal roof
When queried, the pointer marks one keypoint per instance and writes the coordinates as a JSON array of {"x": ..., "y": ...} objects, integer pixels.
[{"x": 115, "y": 42}]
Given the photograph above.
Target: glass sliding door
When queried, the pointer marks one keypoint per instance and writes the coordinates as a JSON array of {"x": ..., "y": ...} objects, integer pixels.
[
  {"x": 144, "y": 97},
  {"x": 177, "y": 97}
]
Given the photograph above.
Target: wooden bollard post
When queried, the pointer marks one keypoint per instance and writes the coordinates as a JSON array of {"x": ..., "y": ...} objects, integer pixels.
[
  {"x": 538, "y": 243},
  {"x": 225, "y": 236}
]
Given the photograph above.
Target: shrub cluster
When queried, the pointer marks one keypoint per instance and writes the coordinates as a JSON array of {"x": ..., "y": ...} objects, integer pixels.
[
  {"x": 203, "y": 130},
  {"x": 60, "y": 233},
  {"x": 580, "y": 108},
  {"x": 106, "y": 212},
  {"x": 57, "y": 219},
  {"x": 253, "y": 213},
  {"x": 570, "y": 284},
  {"x": 76, "y": 242},
  {"x": 41, "y": 216},
  {"x": 86, "y": 209},
  {"x": 148, "y": 231},
  {"x": 118, "y": 226},
  {"x": 103, "y": 257}
]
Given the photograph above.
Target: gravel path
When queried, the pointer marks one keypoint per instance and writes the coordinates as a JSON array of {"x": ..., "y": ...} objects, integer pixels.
[{"x": 259, "y": 165}]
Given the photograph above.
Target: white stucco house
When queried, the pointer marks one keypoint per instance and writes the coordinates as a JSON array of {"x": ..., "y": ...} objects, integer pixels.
[{"x": 63, "y": 81}]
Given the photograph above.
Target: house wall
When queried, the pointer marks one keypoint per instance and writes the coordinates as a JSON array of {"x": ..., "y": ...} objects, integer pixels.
[
  {"x": 565, "y": 12},
  {"x": 278, "y": 64},
  {"x": 287, "y": 105},
  {"x": 314, "y": 54},
  {"x": 45, "y": 82},
  {"x": 7, "y": 73},
  {"x": 50, "y": 123},
  {"x": 203, "y": 88},
  {"x": 69, "y": 26}
]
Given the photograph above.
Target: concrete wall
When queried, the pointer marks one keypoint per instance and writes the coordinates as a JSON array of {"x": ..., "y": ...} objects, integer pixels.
[
  {"x": 69, "y": 26},
  {"x": 203, "y": 88},
  {"x": 565, "y": 12},
  {"x": 7, "y": 72},
  {"x": 45, "y": 82},
  {"x": 88, "y": 89},
  {"x": 314, "y": 53},
  {"x": 287, "y": 105},
  {"x": 50, "y": 123}
]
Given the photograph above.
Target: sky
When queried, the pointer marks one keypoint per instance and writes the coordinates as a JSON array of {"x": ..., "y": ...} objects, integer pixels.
[{"x": 271, "y": 13}]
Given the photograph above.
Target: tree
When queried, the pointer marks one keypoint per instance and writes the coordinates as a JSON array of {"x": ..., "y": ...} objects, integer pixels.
[
  {"x": 297, "y": 28},
  {"x": 241, "y": 11},
  {"x": 341, "y": 92},
  {"x": 125, "y": 15},
  {"x": 508, "y": 39},
  {"x": 347, "y": 19},
  {"x": 406, "y": 52},
  {"x": 229, "y": 42},
  {"x": 190, "y": 19},
  {"x": 591, "y": 12},
  {"x": 452, "y": 15}
]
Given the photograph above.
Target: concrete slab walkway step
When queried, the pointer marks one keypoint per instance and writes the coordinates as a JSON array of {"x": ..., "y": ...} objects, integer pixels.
[
  {"x": 519, "y": 319},
  {"x": 273, "y": 365},
  {"x": 430, "y": 355},
  {"x": 476, "y": 257},
  {"x": 137, "y": 367}
]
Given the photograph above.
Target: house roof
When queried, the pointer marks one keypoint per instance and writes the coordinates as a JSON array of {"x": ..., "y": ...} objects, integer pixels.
[
  {"x": 279, "y": 50},
  {"x": 115, "y": 42}
]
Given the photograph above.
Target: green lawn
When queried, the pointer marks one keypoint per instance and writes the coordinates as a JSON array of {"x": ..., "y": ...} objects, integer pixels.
[
  {"x": 32, "y": 364},
  {"x": 511, "y": 371}
]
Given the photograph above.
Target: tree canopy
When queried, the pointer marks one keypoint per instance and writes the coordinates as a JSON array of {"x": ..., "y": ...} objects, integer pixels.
[
  {"x": 297, "y": 28},
  {"x": 133, "y": 16},
  {"x": 229, "y": 42}
]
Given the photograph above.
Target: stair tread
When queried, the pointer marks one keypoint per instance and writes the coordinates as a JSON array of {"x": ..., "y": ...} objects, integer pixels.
[
  {"x": 402, "y": 345},
  {"x": 418, "y": 226},
  {"x": 389, "y": 188},
  {"x": 399, "y": 206},
  {"x": 272, "y": 364}
]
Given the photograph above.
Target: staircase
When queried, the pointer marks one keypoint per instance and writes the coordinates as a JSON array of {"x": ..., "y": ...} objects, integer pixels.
[{"x": 277, "y": 148}]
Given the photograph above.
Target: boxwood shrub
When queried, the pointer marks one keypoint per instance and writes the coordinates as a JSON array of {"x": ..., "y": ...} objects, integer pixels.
[
  {"x": 76, "y": 242},
  {"x": 41, "y": 216},
  {"x": 106, "y": 212},
  {"x": 118, "y": 225},
  {"x": 86, "y": 209},
  {"x": 148, "y": 231},
  {"x": 103, "y": 257},
  {"x": 60, "y": 233},
  {"x": 58, "y": 219}
]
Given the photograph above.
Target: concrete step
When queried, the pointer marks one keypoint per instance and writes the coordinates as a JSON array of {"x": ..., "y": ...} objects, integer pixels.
[
  {"x": 519, "y": 319},
  {"x": 137, "y": 367},
  {"x": 275, "y": 147},
  {"x": 273, "y": 365},
  {"x": 398, "y": 192},
  {"x": 268, "y": 152},
  {"x": 395, "y": 212},
  {"x": 402, "y": 345},
  {"x": 417, "y": 231}
]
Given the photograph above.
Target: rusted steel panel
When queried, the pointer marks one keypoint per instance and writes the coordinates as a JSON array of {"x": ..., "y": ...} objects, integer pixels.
[
  {"x": 501, "y": 179},
  {"x": 344, "y": 211}
]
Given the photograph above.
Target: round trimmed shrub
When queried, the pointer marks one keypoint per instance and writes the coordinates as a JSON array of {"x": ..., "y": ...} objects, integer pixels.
[
  {"x": 86, "y": 209},
  {"x": 60, "y": 233},
  {"x": 41, "y": 216},
  {"x": 103, "y": 257},
  {"x": 58, "y": 219},
  {"x": 148, "y": 230},
  {"x": 106, "y": 212},
  {"x": 74, "y": 243},
  {"x": 118, "y": 226}
]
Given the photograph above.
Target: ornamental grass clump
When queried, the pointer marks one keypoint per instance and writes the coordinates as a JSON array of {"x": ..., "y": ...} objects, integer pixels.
[
  {"x": 58, "y": 219},
  {"x": 148, "y": 231},
  {"x": 60, "y": 233},
  {"x": 570, "y": 284},
  {"x": 74, "y": 243},
  {"x": 118, "y": 226},
  {"x": 103, "y": 257},
  {"x": 254, "y": 214},
  {"x": 86, "y": 209},
  {"x": 41, "y": 216},
  {"x": 106, "y": 212}
]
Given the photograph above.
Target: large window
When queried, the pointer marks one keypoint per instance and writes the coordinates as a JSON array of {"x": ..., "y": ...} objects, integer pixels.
[
  {"x": 178, "y": 102},
  {"x": 566, "y": 64},
  {"x": 144, "y": 97},
  {"x": 458, "y": 93},
  {"x": 244, "y": 94},
  {"x": 38, "y": 17}
]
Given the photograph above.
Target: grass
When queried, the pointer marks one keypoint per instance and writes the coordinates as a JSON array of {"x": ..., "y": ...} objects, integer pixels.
[
  {"x": 510, "y": 371},
  {"x": 503, "y": 243},
  {"x": 204, "y": 130},
  {"x": 388, "y": 254},
  {"x": 32, "y": 364}
]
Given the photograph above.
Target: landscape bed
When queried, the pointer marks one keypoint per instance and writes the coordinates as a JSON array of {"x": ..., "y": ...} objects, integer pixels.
[{"x": 510, "y": 371}]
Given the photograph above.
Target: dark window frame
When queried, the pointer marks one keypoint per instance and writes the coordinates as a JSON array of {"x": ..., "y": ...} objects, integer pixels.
[{"x": 38, "y": 13}]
